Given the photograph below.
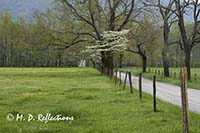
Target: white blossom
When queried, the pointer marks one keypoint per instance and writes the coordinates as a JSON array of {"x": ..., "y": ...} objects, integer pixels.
[{"x": 111, "y": 41}]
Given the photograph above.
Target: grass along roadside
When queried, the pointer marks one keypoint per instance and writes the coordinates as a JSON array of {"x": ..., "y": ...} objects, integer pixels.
[
  {"x": 95, "y": 102},
  {"x": 195, "y": 84}
]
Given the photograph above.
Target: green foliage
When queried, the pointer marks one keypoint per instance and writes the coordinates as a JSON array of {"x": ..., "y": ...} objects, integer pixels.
[
  {"x": 145, "y": 40},
  {"x": 35, "y": 44},
  {"x": 52, "y": 38}
]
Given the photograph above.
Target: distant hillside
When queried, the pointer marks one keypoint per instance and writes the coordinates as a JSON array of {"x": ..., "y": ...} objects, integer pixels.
[{"x": 24, "y": 7}]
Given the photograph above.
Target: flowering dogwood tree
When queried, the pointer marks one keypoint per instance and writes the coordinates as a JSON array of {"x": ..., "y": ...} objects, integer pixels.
[{"x": 111, "y": 41}]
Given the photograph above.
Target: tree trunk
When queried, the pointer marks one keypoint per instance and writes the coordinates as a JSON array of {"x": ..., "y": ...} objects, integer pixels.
[
  {"x": 109, "y": 63},
  {"x": 177, "y": 56},
  {"x": 103, "y": 60},
  {"x": 120, "y": 60},
  {"x": 165, "y": 63},
  {"x": 165, "y": 48},
  {"x": 144, "y": 63},
  {"x": 93, "y": 63},
  {"x": 4, "y": 57},
  {"x": 186, "y": 43},
  {"x": 188, "y": 63}
]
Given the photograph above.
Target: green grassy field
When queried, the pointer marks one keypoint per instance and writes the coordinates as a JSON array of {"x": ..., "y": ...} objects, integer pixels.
[
  {"x": 174, "y": 75},
  {"x": 96, "y": 104}
]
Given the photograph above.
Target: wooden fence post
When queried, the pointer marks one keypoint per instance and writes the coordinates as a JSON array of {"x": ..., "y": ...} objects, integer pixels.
[
  {"x": 115, "y": 77},
  {"x": 140, "y": 85},
  {"x": 120, "y": 76},
  {"x": 130, "y": 81},
  {"x": 184, "y": 97},
  {"x": 125, "y": 80},
  {"x": 154, "y": 93}
]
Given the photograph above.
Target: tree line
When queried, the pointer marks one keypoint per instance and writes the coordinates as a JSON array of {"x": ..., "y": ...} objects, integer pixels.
[{"x": 160, "y": 34}]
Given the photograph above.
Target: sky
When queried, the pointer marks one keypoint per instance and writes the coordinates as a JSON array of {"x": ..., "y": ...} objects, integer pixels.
[{"x": 24, "y": 7}]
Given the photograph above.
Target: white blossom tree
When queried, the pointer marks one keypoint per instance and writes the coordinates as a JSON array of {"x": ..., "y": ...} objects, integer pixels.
[{"x": 112, "y": 41}]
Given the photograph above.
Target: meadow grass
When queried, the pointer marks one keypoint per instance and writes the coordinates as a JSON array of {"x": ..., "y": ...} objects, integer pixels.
[
  {"x": 174, "y": 75},
  {"x": 97, "y": 105}
]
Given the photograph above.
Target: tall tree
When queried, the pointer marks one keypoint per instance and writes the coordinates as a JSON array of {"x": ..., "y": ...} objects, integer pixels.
[
  {"x": 189, "y": 39},
  {"x": 165, "y": 9},
  {"x": 100, "y": 16},
  {"x": 111, "y": 42},
  {"x": 144, "y": 37}
]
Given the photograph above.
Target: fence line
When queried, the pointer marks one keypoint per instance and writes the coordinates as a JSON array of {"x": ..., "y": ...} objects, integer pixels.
[
  {"x": 184, "y": 95},
  {"x": 172, "y": 74}
]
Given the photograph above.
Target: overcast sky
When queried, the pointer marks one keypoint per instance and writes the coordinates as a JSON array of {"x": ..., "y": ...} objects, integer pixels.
[{"x": 24, "y": 7}]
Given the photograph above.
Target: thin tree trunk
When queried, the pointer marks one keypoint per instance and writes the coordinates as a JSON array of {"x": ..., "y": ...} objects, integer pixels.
[
  {"x": 165, "y": 63},
  {"x": 188, "y": 64},
  {"x": 4, "y": 57},
  {"x": 177, "y": 56},
  {"x": 93, "y": 63},
  {"x": 144, "y": 63},
  {"x": 103, "y": 60},
  {"x": 120, "y": 60},
  {"x": 109, "y": 63},
  {"x": 165, "y": 49},
  {"x": 186, "y": 43}
]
